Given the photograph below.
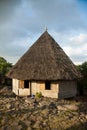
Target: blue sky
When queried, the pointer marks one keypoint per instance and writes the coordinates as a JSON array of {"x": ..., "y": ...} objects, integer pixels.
[
  {"x": 83, "y": 7},
  {"x": 23, "y": 21}
]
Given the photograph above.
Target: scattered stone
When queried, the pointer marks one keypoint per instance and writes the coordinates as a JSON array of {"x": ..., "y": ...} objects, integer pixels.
[
  {"x": 45, "y": 112},
  {"x": 27, "y": 123},
  {"x": 16, "y": 127},
  {"x": 25, "y": 116},
  {"x": 15, "y": 123},
  {"x": 86, "y": 116},
  {"x": 29, "y": 128},
  {"x": 71, "y": 107},
  {"x": 37, "y": 124},
  {"x": 28, "y": 113},
  {"x": 61, "y": 108},
  {"x": 7, "y": 128},
  {"x": 8, "y": 106}
]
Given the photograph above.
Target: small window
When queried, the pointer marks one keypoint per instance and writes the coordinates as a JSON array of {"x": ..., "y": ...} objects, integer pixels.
[
  {"x": 26, "y": 84},
  {"x": 47, "y": 85}
]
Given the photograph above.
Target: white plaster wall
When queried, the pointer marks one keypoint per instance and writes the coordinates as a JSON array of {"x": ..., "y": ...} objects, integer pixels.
[
  {"x": 61, "y": 89},
  {"x": 15, "y": 84},
  {"x": 40, "y": 87},
  {"x": 34, "y": 88},
  {"x": 19, "y": 91},
  {"x": 24, "y": 92}
]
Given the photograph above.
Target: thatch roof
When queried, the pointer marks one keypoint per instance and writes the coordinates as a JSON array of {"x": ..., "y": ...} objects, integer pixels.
[{"x": 45, "y": 60}]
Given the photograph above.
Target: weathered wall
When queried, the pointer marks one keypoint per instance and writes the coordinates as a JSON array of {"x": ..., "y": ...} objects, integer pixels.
[
  {"x": 21, "y": 84},
  {"x": 60, "y": 89},
  {"x": 23, "y": 92},
  {"x": 34, "y": 88},
  {"x": 18, "y": 88},
  {"x": 40, "y": 87},
  {"x": 15, "y": 84},
  {"x": 53, "y": 92},
  {"x": 67, "y": 89}
]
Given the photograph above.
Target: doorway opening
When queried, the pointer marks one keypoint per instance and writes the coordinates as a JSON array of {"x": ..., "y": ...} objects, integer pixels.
[{"x": 26, "y": 84}]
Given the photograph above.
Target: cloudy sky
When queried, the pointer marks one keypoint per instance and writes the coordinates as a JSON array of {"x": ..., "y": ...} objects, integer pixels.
[{"x": 23, "y": 21}]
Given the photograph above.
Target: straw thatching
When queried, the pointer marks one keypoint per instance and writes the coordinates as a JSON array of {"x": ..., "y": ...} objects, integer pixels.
[{"x": 45, "y": 60}]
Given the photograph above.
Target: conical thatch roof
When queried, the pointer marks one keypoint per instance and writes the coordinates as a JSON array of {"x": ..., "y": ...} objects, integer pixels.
[{"x": 45, "y": 60}]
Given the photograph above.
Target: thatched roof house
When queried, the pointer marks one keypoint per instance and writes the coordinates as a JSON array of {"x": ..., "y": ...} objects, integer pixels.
[{"x": 45, "y": 68}]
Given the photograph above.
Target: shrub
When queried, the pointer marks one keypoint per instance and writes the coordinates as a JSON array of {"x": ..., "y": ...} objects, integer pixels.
[{"x": 38, "y": 95}]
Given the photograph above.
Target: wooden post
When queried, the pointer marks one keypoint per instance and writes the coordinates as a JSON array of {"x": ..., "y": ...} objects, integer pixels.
[{"x": 30, "y": 89}]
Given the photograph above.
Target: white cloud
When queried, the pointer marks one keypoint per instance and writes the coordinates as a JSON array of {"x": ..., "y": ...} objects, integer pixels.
[
  {"x": 23, "y": 23},
  {"x": 72, "y": 51},
  {"x": 75, "y": 46},
  {"x": 81, "y": 38},
  {"x": 78, "y": 49}
]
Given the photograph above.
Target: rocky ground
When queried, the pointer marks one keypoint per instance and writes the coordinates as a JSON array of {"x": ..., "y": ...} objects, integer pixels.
[{"x": 25, "y": 113}]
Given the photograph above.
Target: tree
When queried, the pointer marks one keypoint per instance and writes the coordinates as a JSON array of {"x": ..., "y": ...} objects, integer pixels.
[
  {"x": 4, "y": 68},
  {"x": 82, "y": 84}
]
